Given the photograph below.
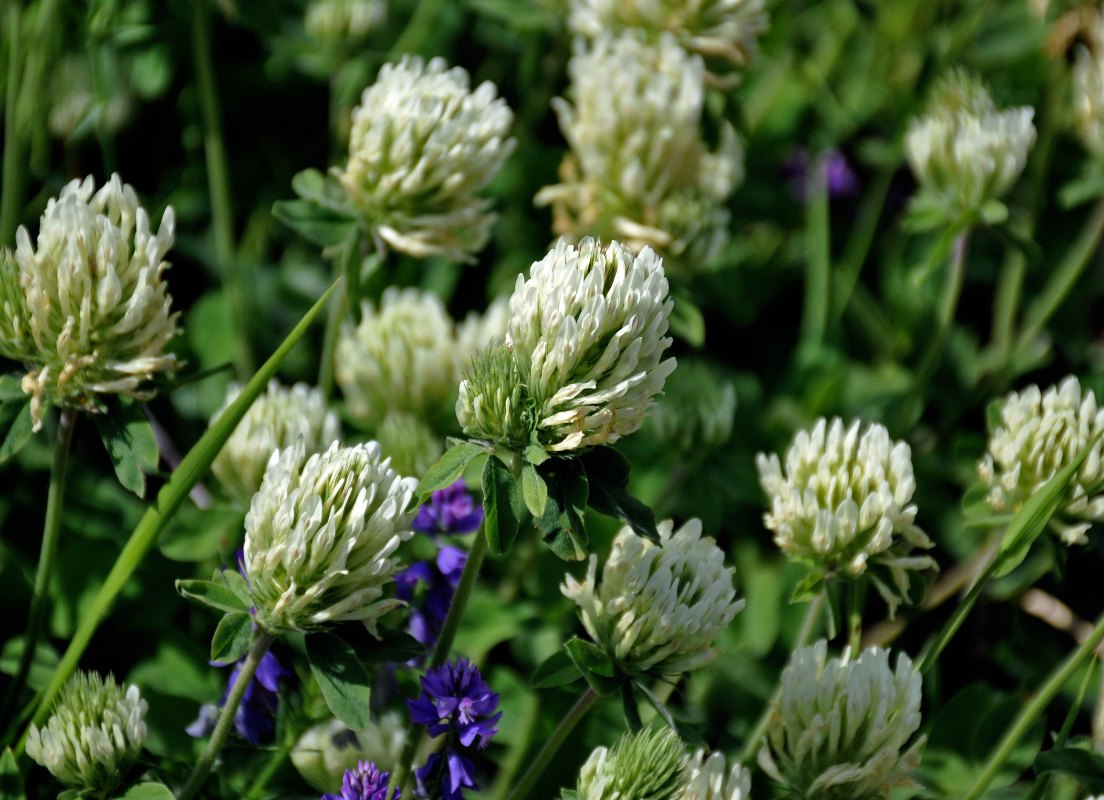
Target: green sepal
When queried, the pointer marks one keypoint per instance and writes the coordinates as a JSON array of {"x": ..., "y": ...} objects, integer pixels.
[
  {"x": 607, "y": 473},
  {"x": 232, "y": 638},
  {"x": 558, "y": 669},
  {"x": 128, "y": 437},
  {"x": 345, "y": 684},
  {"x": 809, "y": 587},
  {"x": 501, "y": 509},
  {"x": 211, "y": 594},
  {"x": 447, "y": 469},
  {"x": 595, "y": 665}
]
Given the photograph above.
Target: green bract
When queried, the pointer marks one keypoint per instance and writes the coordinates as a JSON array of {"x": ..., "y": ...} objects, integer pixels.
[{"x": 647, "y": 765}]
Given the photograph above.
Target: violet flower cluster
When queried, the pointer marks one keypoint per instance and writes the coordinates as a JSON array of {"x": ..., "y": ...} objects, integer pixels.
[
  {"x": 253, "y": 719},
  {"x": 455, "y": 701},
  {"x": 365, "y": 782}
]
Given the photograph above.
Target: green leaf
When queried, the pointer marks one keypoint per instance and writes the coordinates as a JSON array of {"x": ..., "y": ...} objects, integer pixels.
[
  {"x": 15, "y": 426},
  {"x": 11, "y": 388},
  {"x": 567, "y": 498},
  {"x": 128, "y": 437},
  {"x": 607, "y": 473},
  {"x": 345, "y": 683},
  {"x": 199, "y": 534},
  {"x": 316, "y": 223},
  {"x": 42, "y": 664},
  {"x": 233, "y": 580},
  {"x": 11, "y": 782},
  {"x": 536, "y": 455},
  {"x": 500, "y": 505},
  {"x": 1031, "y": 520},
  {"x": 687, "y": 321},
  {"x": 994, "y": 212},
  {"x": 1084, "y": 765},
  {"x": 447, "y": 470},
  {"x": 556, "y": 670},
  {"x": 686, "y": 734},
  {"x": 232, "y": 638},
  {"x": 595, "y": 665},
  {"x": 148, "y": 791},
  {"x": 533, "y": 489},
  {"x": 810, "y": 586},
  {"x": 211, "y": 594},
  {"x": 392, "y": 647}
]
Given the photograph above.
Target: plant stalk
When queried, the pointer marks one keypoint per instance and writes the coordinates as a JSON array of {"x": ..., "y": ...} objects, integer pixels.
[
  {"x": 958, "y": 616},
  {"x": 540, "y": 763},
  {"x": 12, "y": 184},
  {"x": 1060, "y": 739},
  {"x": 818, "y": 258}
]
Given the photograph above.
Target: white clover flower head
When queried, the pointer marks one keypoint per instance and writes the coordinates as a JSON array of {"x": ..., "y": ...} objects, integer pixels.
[
  {"x": 658, "y": 608},
  {"x": 94, "y": 733},
  {"x": 277, "y": 419},
  {"x": 589, "y": 329},
  {"x": 697, "y": 409},
  {"x": 965, "y": 152},
  {"x": 840, "y": 728},
  {"x": 325, "y": 751},
  {"x": 422, "y": 144},
  {"x": 1039, "y": 433},
  {"x": 708, "y": 779},
  {"x": 402, "y": 356},
  {"x": 1088, "y": 92},
  {"x": 343, "y": 20},
  {"x": 320, "y": 537},
  {"x": 841, "y": 502},
  {"x": 638, "y": 170},
  {"x": 649, "y": 764},
  {"x": 85, "y": 307},
  {"x": 724, "y": 31}
]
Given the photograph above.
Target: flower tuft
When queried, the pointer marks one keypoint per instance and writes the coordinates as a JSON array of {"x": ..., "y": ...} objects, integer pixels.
[
  {"x": 842, "y": 502},
  {"x": 657, "y": 609},
  {"x": 422, "y": 144},
  {"x": 707, "y": 779},
  {"x": 95, "y": 731},
  {"x": 85, "y": 307},
  {"x": 494, "y": 402},
  {"x": 649, "y": 764},
  {"x": 1040, "y": 432},
  {"x": 364, "y": 782},
  {"x": 320, "y": 535},
  {"x": 275, "y": 420},
  {"x": 838, "y": 727},
  {"x": 348, "y": 20}
]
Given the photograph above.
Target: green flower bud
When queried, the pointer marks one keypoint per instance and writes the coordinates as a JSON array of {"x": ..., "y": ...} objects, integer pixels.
[
  {"x": 657, "y": 609},
  {"x": 85, "y": 308},
  {"x": 494, "y": 403},
  {"x": 94, "y": 733},
  {"x": 646, "y": 765},
  {"x": 838, "y": 727},
  {"x": 277, "y": 419},
  {"x": 319, "y": 537}
]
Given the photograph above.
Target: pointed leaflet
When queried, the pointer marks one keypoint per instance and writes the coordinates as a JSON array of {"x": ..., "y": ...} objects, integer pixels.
[
  {"x": 500, "y": 505},
  {"x": 345, "y": 683},
  {"x": 232, "y": 638},
  {"x": 128, "y": 437},
  {"x": 607, "y": 472},
  {"x": 448, "y": 468}
]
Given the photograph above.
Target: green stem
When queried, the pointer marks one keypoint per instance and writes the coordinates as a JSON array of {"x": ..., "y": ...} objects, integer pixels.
[
  {"x": 1040, "y": 787},
  {"x": 332, "y": 333},
  {"x": 958, "y": 616},
  {"x": 628, "y": 701},
  {"x": 818, "y": 266},
  {"x": 401, "y": 774},
  {"x": 269, "y": 769},
  {"x": 12, "y": 183},
  {"x": 854, "y": 617},
  {"x": 417, "y": 28},
  {"x": 540, "y": 763},
  {"x": 226, "y": 716},
  {"x": 51, "y": 531},
  {"x": 218, "y": 187},
  {"x": 168, "y": 500},
  {"x": 858, "y": 243},
  {"x": 1037, "y": 705},
  {"x": 751, "y": 746}
]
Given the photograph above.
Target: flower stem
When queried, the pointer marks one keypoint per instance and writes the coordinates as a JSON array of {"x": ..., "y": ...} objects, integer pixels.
[
  {"x": 12, "y": 184},
  {"x": 1060, "y": 739},
  {"x": 417, "y": 28},
  {"x": 540, "y": 763},
  {"x": 854, "y": 617},
  {"x": 329, "y": 338},
  {"x": 226, "y": 716},
  {"x": 958, "y": 616},
  {"x": 752, "y": 744},
  {"x": 1036, "y": 706},
  {"x": 51, "y": 530},
  {"x": 818, "y": 258},
  {"x": 269, "y": 769}
]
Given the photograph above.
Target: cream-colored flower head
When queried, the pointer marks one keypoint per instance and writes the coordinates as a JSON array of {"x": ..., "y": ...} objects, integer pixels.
[
  {"x": 344, "y": 20},
  {"x": 1088, "y": 90},
  {"x": 724, "y": 31},
  {"x": 320, "y": 536},
  {"x": 658, "y": 608},
  {"x": 401, "y": 357},
  {"x": 325, "y": 751},
  {"x": 85, "y": 307},
  {"x": 1039, "y": 433},
  {"x": 277, "y": 419},
  {"x": 965, "y": 152},
  {"x": 697, "y": 409},
  {"x": 708, "y": 779},
  {"x": 586, "y": 337},
  {"x": 840, "y": 728},
  {"x": 638, "y": 170},
  {"x": 842, "y": 502},
  {"x": 94, "y": 733},
  {"x": 646, "y": 765},
  {"x": 422, "y": 144}
]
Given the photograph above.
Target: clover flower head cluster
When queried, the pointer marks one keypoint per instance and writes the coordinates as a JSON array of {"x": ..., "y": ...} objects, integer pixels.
[
  {"x": 1039, "y": 433},
  {"x": 94, "y": 733},
  {"x": 697, "y": 409},
  {"x": 650, "y": 764},
  {"x": 1088, "y": 93},
  {"x": 363, "y": 782},
  {"x": 344, "y": 19},
  {"x": 658, "y": 608},
  {"x": 275, "y": 420},
  {"x": 708, "y": 779},
  {"x": 583, "y": 356},
  {"x": 320, "y": 536},
  {"x": 325, "y": 752},
  {"x": 638, "y": 170},
  {"x": 842, "y": 501},
  {"x": 965, "y": 152},
  {"x": 840, "y": 727},
  {"x": 84, "y": 307},
  {"x": 726, "y": 31},
  {"x": 422, "y": 144}
]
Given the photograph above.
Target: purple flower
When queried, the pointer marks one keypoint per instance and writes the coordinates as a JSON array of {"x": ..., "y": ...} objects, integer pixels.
[
  {"x": 455, "y": 698},
  {"x": 837, "y": 173},
  {"x": 253, "y": 719},
  {"x": 449, "y": 510},
  {"x": 441, "y": 577},
  {"x": 365, "y": 782},
  {"x": 450, "y": 774}
]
